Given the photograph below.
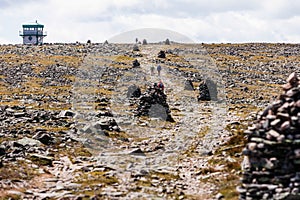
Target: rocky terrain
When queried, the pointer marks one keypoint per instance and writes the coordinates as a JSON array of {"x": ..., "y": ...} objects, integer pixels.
[{"x": 69, "y": 129}]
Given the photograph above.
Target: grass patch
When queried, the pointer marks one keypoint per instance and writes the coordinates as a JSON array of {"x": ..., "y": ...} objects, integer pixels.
[
  {"x": 96, "y": 178},
  {"x": 186, "y": 69},
  {"x": 80, "y": 151},
  {"x": 51, "y": 128},
  {"x": 229, "y": 189},
  {"x": 164, "y": 175},
  {"x": 18, "y": 170},
  {"x": 124, "y": 58},
  {"x": 10, "y": 197},
  {"x": 118, "y": 135},
  {"x": 76, "y": 149}
]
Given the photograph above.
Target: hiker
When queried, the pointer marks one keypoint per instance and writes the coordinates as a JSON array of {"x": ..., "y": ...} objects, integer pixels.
[
  {"x": 152, "y": 70},
  {"x": 161, "y": 85},
  {"x": 158, "y": 69}
]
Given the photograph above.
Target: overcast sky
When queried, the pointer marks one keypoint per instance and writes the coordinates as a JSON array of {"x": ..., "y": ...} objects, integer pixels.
[{"x": 200, "y": 20}]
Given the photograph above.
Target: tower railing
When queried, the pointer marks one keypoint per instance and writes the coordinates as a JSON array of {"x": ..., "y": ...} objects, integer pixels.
[{"x": 33, "y": 33}]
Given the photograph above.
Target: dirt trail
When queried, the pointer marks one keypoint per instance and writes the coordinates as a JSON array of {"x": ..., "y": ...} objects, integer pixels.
[
  {"x": 198, "y": 125},
  {"x": 193, "y": 116},
  {"x": 197, "y": 128}
]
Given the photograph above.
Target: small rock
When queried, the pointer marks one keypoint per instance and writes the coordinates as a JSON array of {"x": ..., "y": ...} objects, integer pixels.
[
  {"x": 44, "y": 138},
  {"x": 137, "y": 152},
  {"x": 27, "y": 141},
  {"x": 219, "y": 196},
  {"x": 2, "y": 150},
  {"x": 66, "y": 113}
]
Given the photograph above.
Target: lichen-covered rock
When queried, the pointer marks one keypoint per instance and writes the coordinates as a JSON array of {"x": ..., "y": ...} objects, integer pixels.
[{"x": 271, "y": 167}]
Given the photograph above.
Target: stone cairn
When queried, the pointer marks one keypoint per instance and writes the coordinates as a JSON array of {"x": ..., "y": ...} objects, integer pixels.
[
  {"x": 153, "y": 103},
  {"x": 161, "y": 54},
  {"x": 271, "y": 166},
  {"x": 135, "y": 63},
  {"x": 136, "y": 48},
  {"x": 208, "y": 91},
  {"x": 133, "y": 91},
  {"x": 145, "y": 42},
  {"x": 167, "y": 42}
]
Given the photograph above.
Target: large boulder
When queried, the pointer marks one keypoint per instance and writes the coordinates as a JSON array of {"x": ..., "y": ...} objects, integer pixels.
[{"x": 271, "y": 166}]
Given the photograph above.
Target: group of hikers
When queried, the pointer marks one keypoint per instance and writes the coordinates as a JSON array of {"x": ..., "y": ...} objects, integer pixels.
[{"x": 160, "y": 84}]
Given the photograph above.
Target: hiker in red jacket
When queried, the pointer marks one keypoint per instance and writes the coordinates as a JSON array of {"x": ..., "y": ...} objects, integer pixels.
[{"x": 161, "y": 85}]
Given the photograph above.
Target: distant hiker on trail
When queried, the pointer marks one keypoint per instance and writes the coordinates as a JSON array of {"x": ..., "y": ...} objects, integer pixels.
[
  {"x": 152, "y": 70},
  {"x": 158, "y": 69},
  {"x": 161, "y": 85}
]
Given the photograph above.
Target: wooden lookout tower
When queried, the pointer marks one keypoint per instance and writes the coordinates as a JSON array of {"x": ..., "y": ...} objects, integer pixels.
[{"x": 33, "y": 33}]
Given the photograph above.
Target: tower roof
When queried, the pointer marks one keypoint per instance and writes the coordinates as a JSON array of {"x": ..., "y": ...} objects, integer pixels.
[{"x": 33, "y": 25}]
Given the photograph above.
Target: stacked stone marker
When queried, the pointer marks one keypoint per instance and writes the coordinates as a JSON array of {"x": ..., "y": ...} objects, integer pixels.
[
  {"x": 153, "y": 103},
  {"x": 208, "y": 91},
  {"x": 271, "y": 166}
]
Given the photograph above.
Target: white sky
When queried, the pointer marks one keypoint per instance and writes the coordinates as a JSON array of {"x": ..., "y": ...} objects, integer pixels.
[{"x": 200, "y": 20}]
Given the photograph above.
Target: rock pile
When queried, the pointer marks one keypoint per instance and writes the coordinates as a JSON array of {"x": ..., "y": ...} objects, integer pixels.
[
  {"x": 153, "y": 103},
  {"x": 271, "y": 166},
  {"x": 208, "y": 91},
  {"x": 167, "y": 42},
  {"x": 161, "y": 54},
  {"x": 136, "y": 48},
  {"x": 101, "y": 126},
  {"x": 133, "y": 91},
  {"x": 145, "y": 42},
  {"x": 135, "y": 63}
]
